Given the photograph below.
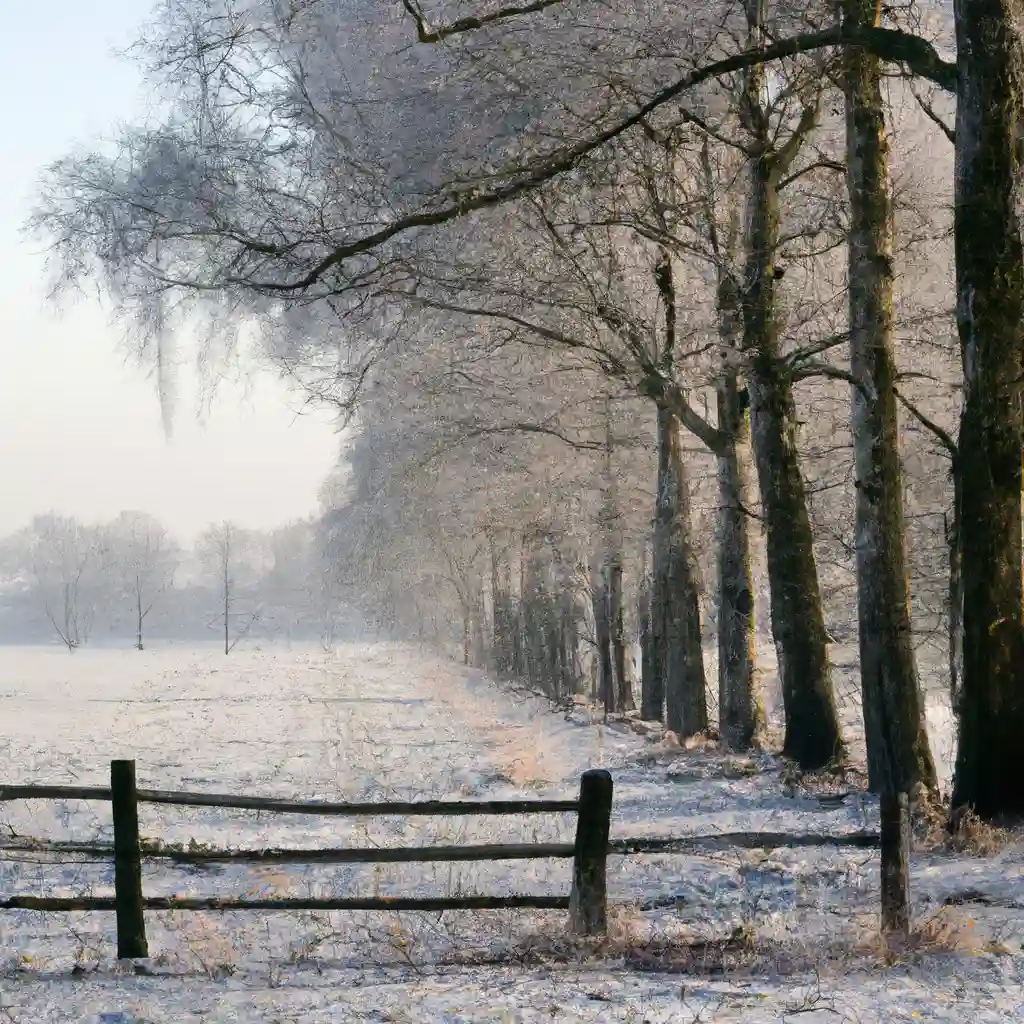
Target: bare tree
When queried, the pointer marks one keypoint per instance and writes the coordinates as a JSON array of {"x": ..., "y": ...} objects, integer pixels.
[
  {"x": 138, "y": 550},
  {"x": 64, "y": 556},
  {"x": 899, "y": 756},
  {"x": 208, "y": 206},
  {"x": 226, "y": 554}
]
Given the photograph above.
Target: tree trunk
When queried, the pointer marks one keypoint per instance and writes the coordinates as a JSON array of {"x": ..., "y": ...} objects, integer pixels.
[
  {"x": 989, "y": 207},
  {"x": 139, "y": 614},
  {"x": 644, "y": 639},
  {"x": 899, "y": 756},
  {"x": 602, "y": 634},
  {"x": 740, "y": 708},
  {"x": 677, "y": 612},
  {"x": 951, "y": 525},
  {"x": 618, "y": 695},
  {"x": 652, "y": 684},
  {"x": 813, "y": 736},
  {"x": 623, "y": 698},
  {"x": 227, "y": 609},
  {"x": 504, "y": 616},
  {"x": 570, "y": 635}
]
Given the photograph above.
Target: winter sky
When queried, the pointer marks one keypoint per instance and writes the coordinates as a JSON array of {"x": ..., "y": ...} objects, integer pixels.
[{"x": 80, "y": 429}]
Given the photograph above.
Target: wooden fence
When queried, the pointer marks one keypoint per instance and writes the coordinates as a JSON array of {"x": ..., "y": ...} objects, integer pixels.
[{"x": 586, "y": 901}]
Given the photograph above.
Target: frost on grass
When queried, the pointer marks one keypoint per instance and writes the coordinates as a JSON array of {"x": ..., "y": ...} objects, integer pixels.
[{"x": 715, "y": 934}]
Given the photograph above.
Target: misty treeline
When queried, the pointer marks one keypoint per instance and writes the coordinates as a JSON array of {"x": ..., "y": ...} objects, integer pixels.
[
  {"x": 668, "y": 324},
  {"x": 128, "y": 580}
]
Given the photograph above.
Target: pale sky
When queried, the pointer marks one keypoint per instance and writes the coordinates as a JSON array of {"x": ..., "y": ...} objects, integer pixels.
[{"x": 80, "y": 430}]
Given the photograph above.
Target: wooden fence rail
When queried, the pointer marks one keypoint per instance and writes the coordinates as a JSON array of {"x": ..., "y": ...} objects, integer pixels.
[
  {"x": 427, "y": 903},
  {"x": 316, "y": 855},
  {"x": 586, "y": 902},
  {"x": 263, "y": 803}
]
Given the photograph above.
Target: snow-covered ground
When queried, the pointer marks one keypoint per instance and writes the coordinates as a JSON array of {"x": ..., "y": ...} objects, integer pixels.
[{"x": 372, "y": 722}]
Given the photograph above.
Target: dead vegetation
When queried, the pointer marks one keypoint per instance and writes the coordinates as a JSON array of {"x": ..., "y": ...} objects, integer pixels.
[{"x": 948, "y": 930}]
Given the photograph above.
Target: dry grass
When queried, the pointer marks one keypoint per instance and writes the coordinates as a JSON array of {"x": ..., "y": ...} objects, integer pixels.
[
  {"x": 947, "y": 930},
  {"x": 961, "y": 834},
  {"x": 968, "y": 835},
  {"x": 834, "y": 780},
  {"x": 633, "y": 939},
  {"x": 671, "y": 746}
]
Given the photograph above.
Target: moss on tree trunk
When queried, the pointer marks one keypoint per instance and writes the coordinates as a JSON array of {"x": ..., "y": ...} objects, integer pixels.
[
  {"x": 740, "y": 708},
  {"x": 989, "y": 208},
  {"x": 813, "y": 736},
  {"x": 675, "y": 605},
  {"x": 899, "y": 756}
]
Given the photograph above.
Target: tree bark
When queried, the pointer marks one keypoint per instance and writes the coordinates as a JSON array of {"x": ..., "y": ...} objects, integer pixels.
[
  {"x": 139, "y": 614},
  {"x": 813, "y": 736},
  {"x": 227, "y": 604},
  {"x": 501, "y": 638},
  {"x": 623, "y": 687},
  {"x": 467, "y": 637},
  {"x": 602, "y": 633},
  {"x": 647, "y": 671},
  {"x": 740, "y": 708},
  {"x": 989, "y": 207},
  {"x": 677, "y": 612},
  {"x": 951, "y": 525},
  {"x": 619, "y": 694},
  {"x": 899, "y": 756},
  {"x": 653, "y": 684}
]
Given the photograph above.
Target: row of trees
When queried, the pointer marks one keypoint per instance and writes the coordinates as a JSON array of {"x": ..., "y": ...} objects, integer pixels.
[
  {"x": 59, "y": 576},
  {"x": 695, "y": 217}
]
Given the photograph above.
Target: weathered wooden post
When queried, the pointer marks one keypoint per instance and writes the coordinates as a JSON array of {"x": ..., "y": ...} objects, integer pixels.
[
  {"x": 131, "y": 925},
  {"x": 588, "y": 903},
  {"x": 895, "y": 843}
]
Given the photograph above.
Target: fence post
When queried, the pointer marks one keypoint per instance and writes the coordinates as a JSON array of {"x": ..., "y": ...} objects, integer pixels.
[
  {"x": 131, "y": 925},
  {"x": 895, "y": 843},
  {"x": 588, "y": 903}
]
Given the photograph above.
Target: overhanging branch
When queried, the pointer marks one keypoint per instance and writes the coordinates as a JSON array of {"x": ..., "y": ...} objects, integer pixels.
[
  {"x": 427, "y": 35},
  {"x": 891, "y": 45}
]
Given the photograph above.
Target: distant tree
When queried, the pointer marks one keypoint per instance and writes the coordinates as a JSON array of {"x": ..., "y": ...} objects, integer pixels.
[
  {"x": 142, "y": 559},
  {"x": 64, "y": 556},
  {"x": 225, "y": 552}
]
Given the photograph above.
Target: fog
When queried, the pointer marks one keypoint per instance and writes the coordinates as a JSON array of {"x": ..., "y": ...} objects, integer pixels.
[{"x": 80, "y": 427}]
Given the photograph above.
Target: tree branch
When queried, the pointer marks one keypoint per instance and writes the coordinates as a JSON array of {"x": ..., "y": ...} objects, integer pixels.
[
  {"x": 426, "y": 35},
  {"x": 671, "y": 397},
  {"x": 785, "y": 156},
  {"x": 888, "y": 44},
  {"x": 929, "y": 111},
  {"x": 472, "y": 432},
  {"x": 816, "y": 368},
  {"x": 821, "y": 164},
  {"x": 942, "y": 436},
  {"x": 547, "y": 333}
]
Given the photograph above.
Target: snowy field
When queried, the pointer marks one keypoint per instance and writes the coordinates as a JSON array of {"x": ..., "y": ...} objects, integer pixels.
[{"x": 788, "y": 935}]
